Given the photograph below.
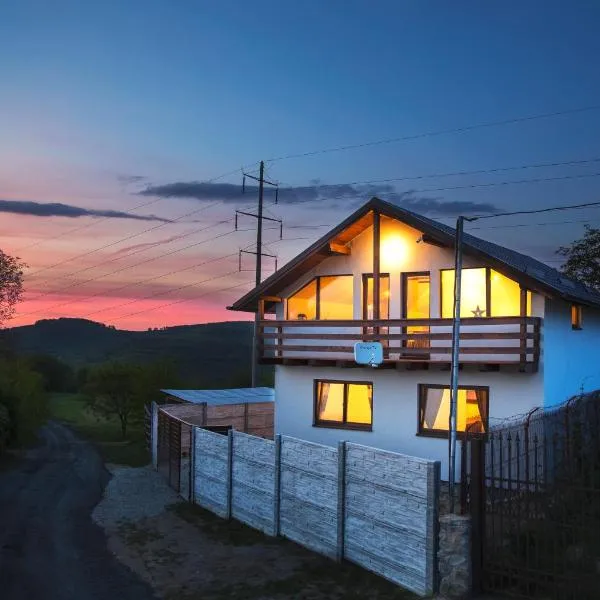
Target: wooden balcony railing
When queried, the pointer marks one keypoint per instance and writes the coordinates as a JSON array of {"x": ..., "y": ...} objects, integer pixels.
[{"x": 500, "y": 340}]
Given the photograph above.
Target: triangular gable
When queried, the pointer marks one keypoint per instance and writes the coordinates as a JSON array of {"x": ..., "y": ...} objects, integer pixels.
[{"x": 526, "y": 270}]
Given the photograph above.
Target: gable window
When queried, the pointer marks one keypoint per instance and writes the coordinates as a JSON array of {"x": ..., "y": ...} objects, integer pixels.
[
  {"x": 325, "y": 297},
  {"x": 434, "y": 410},
  {"x": 576, "y": 316},
  {"x": 343, "y": 404},
  {"x": 484, "y": 293}
]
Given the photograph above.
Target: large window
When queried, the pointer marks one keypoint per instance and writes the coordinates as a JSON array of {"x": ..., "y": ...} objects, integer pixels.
[
  {"x": 326, "y": 297},
  {"x": 434, "y": 410},
  {"x": 484, "y": 293},
  {"x": 343, "y": 404}
]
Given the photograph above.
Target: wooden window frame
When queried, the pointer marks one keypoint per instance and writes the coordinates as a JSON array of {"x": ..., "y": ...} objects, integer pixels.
[
  {"x": 341, "y": 424},
  {"x": 404, "y": 300},
  {"x": 364, "y": 293},
  {"x": 317, "y": 279},
  {"x": 438, "y": 433},
  {"x": 576, "y": 317},
  {"x": 488, "y": 293}
]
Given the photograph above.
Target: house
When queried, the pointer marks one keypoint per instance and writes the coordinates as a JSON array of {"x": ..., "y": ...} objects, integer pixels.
[{"x": 528, "y": 338}]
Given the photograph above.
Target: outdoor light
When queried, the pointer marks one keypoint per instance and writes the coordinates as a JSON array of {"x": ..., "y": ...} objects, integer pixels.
[{"x": 393, "y": 250}]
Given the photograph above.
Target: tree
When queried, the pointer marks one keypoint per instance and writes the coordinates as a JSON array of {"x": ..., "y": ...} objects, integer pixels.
[
  {"x": 113, "y": 391},
  {"x": 121, "y": 390},
  {"x": 583, "y": 258},
  {"x": 11, "y": 285},
  {"x": 58, "y": 375}
]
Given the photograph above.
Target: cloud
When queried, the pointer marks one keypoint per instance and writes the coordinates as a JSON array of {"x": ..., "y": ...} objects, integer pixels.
[
  {"x": 168, "y": 240},
  {"x": 342, "y": 195},
  {"x": 128, "y": 179},
  {"x": 55, "y": 209}
]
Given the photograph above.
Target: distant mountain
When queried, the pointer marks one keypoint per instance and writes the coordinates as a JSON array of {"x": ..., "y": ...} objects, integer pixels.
[{"x": 208, "y": 355}]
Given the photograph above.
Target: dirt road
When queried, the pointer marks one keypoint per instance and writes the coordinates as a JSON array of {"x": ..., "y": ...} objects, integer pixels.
[{"x": 49, "y": 547}]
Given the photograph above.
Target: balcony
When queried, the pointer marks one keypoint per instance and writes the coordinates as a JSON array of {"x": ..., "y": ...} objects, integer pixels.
[{"x": 417, "y": 343}]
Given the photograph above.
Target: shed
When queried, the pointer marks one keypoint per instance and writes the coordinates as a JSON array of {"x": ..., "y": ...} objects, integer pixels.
[{"x": 250, "y": 410}]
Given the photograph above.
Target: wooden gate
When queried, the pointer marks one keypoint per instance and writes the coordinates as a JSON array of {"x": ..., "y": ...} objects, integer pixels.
[
  {"x": 175, "y": 452},
  {"x": 533, "y": 489}
]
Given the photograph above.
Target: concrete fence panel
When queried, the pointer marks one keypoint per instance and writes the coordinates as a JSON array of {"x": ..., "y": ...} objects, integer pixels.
[
  {"x": 253, "y": 475},
  {"x": 309, "y": 495},
  {"x": 211, "y": 471},
  {"x": 390, "y": 515}
]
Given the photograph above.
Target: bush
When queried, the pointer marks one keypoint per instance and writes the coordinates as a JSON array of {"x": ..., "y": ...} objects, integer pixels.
[
  {"x": 22, "y": 393},
  {"x": 5, "y": 427}
]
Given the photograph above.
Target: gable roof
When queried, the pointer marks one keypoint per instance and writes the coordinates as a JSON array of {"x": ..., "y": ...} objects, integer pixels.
[{"x": 532, "y": 273}]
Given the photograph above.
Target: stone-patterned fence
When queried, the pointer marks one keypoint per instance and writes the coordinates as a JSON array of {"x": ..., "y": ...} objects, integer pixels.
[{"x": 374, "y": 508}]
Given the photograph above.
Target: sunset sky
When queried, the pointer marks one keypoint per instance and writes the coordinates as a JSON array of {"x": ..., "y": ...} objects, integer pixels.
[{"x": 124, "y": 127}]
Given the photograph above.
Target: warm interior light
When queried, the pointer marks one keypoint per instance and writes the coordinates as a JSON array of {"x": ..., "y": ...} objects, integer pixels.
[{"x": 393, "y": 250}]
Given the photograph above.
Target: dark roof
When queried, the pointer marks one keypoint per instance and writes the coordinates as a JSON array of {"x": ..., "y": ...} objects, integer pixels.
[{"x": 522, "y": 268}]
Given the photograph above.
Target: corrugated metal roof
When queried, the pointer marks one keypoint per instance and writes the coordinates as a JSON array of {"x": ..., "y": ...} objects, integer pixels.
[{"x": 230, "y": 396}]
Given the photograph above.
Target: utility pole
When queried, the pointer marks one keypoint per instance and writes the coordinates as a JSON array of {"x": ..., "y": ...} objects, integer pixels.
[
  {"x": 455, "y": 360},
  {"x": 259, "y": 254}
]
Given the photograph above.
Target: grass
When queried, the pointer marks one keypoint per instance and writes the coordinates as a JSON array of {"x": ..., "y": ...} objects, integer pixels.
[
  {"x": 318, "y": 579},
  {"x": 232, "y": 533},
  {"x": 104, "y": 433}
]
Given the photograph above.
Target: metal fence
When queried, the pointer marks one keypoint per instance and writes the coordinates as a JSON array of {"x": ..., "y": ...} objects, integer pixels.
[{"x": 533, "y": 488}]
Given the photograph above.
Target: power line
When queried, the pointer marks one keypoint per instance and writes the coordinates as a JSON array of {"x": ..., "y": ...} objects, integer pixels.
[
  {"x": 139, "y": 251},
  {"x": 102, "y": 219},
  {"x": 126, "y": 268},
  {"x": 438, "y": 132},
  {"x": 568, "y": 163},
  {"x": 534, "y": 212},
  {"x": 186, "y": 299},
  {"x": 128, "y": 285},
  {"x": 125, "y": 239}
]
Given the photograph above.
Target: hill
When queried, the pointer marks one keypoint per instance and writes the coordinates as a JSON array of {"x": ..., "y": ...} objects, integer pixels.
[{"x": 207, "y": 355}]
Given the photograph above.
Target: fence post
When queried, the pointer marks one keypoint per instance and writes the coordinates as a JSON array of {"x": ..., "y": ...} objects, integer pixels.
[
  {"x": 154, "y": 435},
  {"x": 341, "y": 499},
  {"x": 229, "y": 472},
  {"x": 277, "y": 485},
  {"x": 477, "y": 510},
  {"x": 192, "y": 497}
]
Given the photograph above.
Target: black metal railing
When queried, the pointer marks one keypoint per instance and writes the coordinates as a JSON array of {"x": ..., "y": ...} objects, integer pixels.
[{"x": 532, "y": 486}]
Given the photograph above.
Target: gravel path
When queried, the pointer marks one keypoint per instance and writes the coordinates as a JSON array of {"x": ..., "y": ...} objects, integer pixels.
[
  {"x": 50, "y": 549},
  {"x": 132, "y": 495}
]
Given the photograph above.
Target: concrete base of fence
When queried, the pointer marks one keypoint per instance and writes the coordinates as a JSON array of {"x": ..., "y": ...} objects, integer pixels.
[{"x": 454, "y": 556}]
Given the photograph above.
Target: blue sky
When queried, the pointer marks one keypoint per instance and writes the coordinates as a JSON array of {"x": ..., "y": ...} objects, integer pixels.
[{"x": 94, "y": 93}]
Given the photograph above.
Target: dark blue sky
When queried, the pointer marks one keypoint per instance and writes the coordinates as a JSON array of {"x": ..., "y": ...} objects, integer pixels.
[{"x": 93, "y": 93}]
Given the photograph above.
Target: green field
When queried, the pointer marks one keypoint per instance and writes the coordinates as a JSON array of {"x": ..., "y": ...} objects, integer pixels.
[{"x": 104, "y": 433}]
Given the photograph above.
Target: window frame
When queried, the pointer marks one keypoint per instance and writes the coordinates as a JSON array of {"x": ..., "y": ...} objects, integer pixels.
[
  {"x": 341, "y": 424},
  {"x": 317, "y": 279},
  {"x": 365, "y": 293},
  {"x": 576, "y": 317},
  {"x": 488, "y": 294},
  {"x": 438, "y": 433}
]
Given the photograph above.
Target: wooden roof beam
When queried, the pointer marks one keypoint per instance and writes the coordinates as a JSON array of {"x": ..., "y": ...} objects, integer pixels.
[{"x": 338, "y": 249}]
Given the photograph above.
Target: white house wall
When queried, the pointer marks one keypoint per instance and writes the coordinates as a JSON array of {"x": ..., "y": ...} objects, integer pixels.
[
  {"x": 395, "y": 405},
  {"x": 571, "y": 357}
]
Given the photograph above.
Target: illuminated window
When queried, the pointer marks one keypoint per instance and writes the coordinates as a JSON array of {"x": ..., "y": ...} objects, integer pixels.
[
  {"x": 303, "y": 304},
  {"x": 503, "y": 300},
  {"x": 343, "y": 404},
  {"x": 473, "y": 293},
  {"x": 434, "y": 410},
  {"x": 336, "y": 297},
  {"x": 323, "y": 298},
  {"x": 384, "y": 296},
  {"x": 576, "y": 317}
]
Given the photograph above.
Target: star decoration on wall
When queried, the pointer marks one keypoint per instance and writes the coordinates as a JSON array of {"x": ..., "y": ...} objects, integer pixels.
[{"x": 478, "y": 312}]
